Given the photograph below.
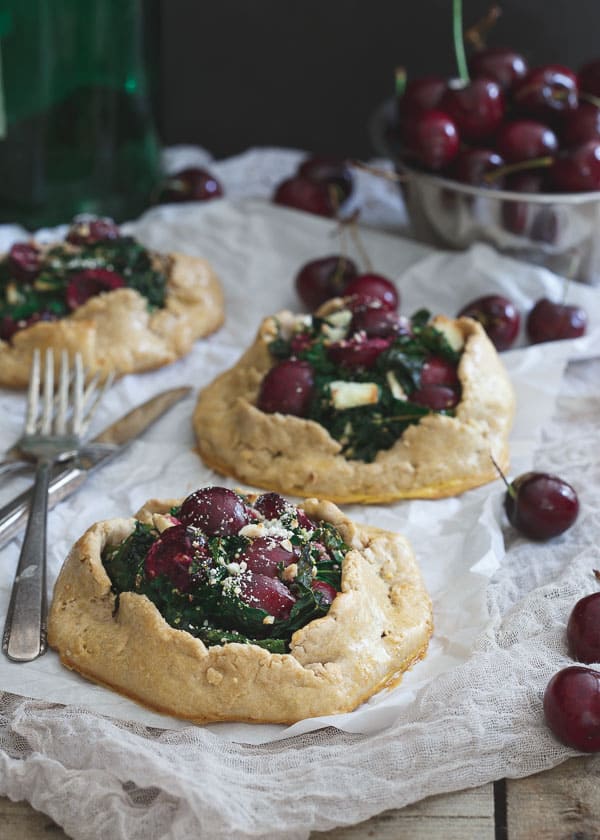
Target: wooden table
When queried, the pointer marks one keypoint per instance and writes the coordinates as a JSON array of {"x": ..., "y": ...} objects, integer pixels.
[{"x": 560, "y": 804}]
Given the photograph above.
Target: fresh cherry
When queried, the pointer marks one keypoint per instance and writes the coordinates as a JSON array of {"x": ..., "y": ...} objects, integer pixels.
[
  {"x": 572, "y": 707},
  {"x": 324, "y": 278},
  {"x": 273, "y": 506},
  {"x": 578, "y": 169},
  {"x": 24, "y": 261},
  {"x": 589, "y": 78},
  {"x": 266, "y": 593},
  {"x": 191, "y": 184},
  {"x": 550, "y": 321},
  {"x": 86, "y": 231},
  {"x": 357, "y": 352},
  {"x": 546, "y": 92},
  {"x": 171, "y": 555},
  {"x": 287, "y": 388},
  {"x": 91, "y": 282},
  {"x": 583, "y": 629},
  {"x": 431, "y": 139},
  {"x": 217, "y": 511},
  {"x": 499, "y": 317},
  {"x": 329, "y": 171},
  {"x": 435, "y": 397},
  {"x": 581, "y": 125},
  {"x": 504, "y": 66},
  {"x": 476, "y": 107},
  {"x": 474, "y": 165},
  {"x": 525, "y": 140},
  {"x": 303, "y": 194},
  {"x": 540, "y": 505},
  {"x": 367, "y": 287},
  {"x": 421, "y": 94}
]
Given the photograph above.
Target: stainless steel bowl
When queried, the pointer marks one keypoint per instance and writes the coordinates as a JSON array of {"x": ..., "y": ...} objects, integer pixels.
[{"x": 558, "y": 230}]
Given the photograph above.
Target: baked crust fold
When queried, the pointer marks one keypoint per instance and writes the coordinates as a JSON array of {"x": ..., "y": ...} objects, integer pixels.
[
  {"x": 376, "y": 628},
  {"x": 440, "y": 456}
]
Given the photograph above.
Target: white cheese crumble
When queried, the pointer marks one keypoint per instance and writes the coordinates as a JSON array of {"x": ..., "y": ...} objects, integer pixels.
[
  {"x": 352, "y": 394},
  {"x": 395, "y": 387}
]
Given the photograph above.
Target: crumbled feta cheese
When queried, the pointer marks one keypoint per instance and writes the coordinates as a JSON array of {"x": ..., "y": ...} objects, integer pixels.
[{"x": 269, "y": 619}]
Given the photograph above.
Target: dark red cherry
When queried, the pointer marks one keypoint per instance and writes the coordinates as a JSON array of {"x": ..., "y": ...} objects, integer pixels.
[
  {"x": 271, "y": 505},
  {"x": 572, "y": 707},
  {"x": 439, "y": 371},
  {"x": 578, "y": 169},
  {"x": 324, "y": 591},
  {"x": 498, "y": 316},
  {"x": 546, "y": 92},
  {"x": 525, "y": 140},
  {"x": 24, "y": 261},
  {"x": 377, "y": 322},
  {"x": 540, "y": 505},
  {"x": 476, "y": 166},
  {"x": 504, "y": 66},
  {"x": 516, "y": 214},
  {"x": 476, "y": 107},
  {"x": 300, "y": 342},
  {"x": 85, "y": 231},
  {"x": 329, "y": 170},
  {"x": 287, "y": 388},
  {"x": 589, "y": 78},
  {"x": 217, "y": 511},
  {"x": 327, "y": 277},
  {"x": 435, "y": 397},
  {"x": 431, "y": 139},
  {"x": 190, "y": 184},
  {"x": 267, "y": 555},
  {"x": 583, "y": 629},
  {"x": 357, "y": 352},
  {"x": 267, "y": 593},
  {"x": 422, "y": 94},
  {"x": 366, "y": 287},
  {"x": 171, "y": 555},
  {"x": 89, "y": 283},
  {"x": 550, "y": 321},
  {"x": 303, "y": 194},
  {"x": 581, "y": 125},
  {"x": 8, "y": 325}
]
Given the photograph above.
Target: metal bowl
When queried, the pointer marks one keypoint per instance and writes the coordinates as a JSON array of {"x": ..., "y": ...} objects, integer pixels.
[{"x": 560, "y": 231}]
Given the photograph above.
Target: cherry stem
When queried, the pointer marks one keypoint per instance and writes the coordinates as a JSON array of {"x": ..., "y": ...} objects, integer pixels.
[
  {"x": 475, "y": 35},
  {"x": 534, "y": 163},
  {"x": 381, "y": 173},
  {"x": 509, "y": 488},
  {"x": 459, "y": 44},
  {"x": 588, "y": 97},
  {"x": 400, "y": 81}
]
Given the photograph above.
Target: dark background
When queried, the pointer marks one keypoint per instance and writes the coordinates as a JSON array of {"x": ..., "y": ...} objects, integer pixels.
[{"x": 307, "y": 75}]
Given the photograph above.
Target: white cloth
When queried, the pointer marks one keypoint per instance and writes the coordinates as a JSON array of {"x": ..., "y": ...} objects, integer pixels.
[{"x": 470, "y": 713}]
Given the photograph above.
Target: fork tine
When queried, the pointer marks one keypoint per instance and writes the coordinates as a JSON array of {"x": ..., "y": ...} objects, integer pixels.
[
  {"x": 48, "y": 394},
  {"x": 60, "y": 424},
  {"x": 33, "y": 394},
  {"x": 88, "y": 395},
  {"x": 78, "y": 384}
]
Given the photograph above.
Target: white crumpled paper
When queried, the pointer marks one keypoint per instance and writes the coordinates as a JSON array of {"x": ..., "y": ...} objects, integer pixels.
[{"x": 256, "y": 249}]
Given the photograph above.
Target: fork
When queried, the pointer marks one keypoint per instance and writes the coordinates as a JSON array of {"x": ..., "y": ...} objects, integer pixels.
[{"x": 52, "y": 434}]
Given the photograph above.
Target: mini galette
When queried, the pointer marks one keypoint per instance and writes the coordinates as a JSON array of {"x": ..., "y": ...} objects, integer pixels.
[
  {"x": 124, "y": 307},
  {"x": 357, "y": 404},
  {"x": 227, "y": 606}
]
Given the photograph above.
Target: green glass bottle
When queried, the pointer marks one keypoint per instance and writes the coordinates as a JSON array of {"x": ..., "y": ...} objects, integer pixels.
[{"x": 77, "y": 132}]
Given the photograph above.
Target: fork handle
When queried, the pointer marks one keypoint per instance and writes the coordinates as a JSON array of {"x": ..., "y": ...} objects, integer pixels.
[{"x": 24, "y": 637}]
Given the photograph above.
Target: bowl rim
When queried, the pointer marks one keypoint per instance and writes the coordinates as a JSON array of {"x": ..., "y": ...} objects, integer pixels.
[{"x": 382, "y": 120}]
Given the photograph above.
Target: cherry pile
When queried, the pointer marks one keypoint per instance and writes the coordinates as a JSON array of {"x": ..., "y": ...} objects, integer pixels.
[
  {"x": 572, "y": 697},
  {"x": 504, "y": 121}
]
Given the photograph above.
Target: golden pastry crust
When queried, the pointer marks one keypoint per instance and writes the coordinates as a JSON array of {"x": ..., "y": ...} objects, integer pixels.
[
  {"x": 440, "y": 456},
  {"x": 377, "y": 627},
  {"x": 115, "y": 331}
]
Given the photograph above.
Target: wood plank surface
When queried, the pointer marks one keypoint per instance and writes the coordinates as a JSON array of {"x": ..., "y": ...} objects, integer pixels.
[{"x": 560, "y": 804}]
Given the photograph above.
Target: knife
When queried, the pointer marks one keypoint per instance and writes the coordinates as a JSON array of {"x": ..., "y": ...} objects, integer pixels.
[{"x": 99, "y": 451}]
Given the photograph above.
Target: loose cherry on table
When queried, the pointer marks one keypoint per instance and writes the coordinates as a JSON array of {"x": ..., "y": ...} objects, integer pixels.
[
  {"x": 550, "y": 321},
  {"x": 324, "y": 278},
  {"x": 499, "y": 317},
  {"x": 583, "y": 629},
  {"x": 330, "y": 171},
  {"x": 540, "y": 505},
  {"x": 304, "y": 194},
  {"x": 572, "y": 707},
  {"x": 190, "y": 184}
]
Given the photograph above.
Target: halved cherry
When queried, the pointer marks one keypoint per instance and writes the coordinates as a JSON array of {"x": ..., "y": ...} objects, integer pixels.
[
  {"x": 358, "y": 351},
  {"x": 267, "y": 593},
  {"x": 89, "y": 231},
  {"x": 266, "y": 555},
  {"x": 171, "y": 555},
  {"x": 325, "y": 591},
  {"x": 436, "y": 397},
  {"x": 89, "y": 283},
  {"x": 24, "y": 261},
  {"x": 439, "y": 371}
]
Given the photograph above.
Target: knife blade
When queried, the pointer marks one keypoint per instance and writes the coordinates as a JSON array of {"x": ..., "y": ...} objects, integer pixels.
[{"x": 103, "y": 448}]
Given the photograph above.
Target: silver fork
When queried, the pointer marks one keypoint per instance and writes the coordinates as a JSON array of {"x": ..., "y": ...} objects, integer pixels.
[{"x": 52, "y": 433}]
